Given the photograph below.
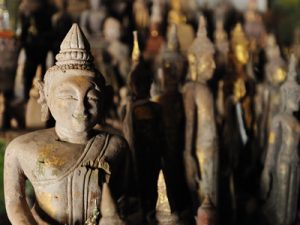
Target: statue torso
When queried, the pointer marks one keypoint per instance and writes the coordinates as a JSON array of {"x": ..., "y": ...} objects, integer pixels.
[{"x": 66, "y": 177}]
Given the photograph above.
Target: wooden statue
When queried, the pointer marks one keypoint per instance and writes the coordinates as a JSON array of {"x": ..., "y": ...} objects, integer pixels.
[
  {"x": 201, "y": 141},
  {"x": 66, "y": 165},
  {"x": 142, "y": 128},
  {"x": 268, "y": 93},
  {"x": 173, "y": 73},
  {"x": 281, "y": 174}
]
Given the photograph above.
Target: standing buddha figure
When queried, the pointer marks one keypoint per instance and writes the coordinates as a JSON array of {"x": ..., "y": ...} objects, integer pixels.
[
  {"x": 201, "y": 141},
  {"x": 142, "y": 128},
  {"x": 67, "y": 165},
  {"x": 173, "y": 73},
  {"x": 268, "y": 95},
  {"x": 281, "y": 174}
]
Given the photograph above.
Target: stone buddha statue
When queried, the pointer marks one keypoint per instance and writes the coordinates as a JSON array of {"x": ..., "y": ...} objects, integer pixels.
[
  {"x": 268, "y": 93},
  {"x": 281, "y": 173},
  {"x": 201, "y": 141},
  {"x": 68, "y": 164}
]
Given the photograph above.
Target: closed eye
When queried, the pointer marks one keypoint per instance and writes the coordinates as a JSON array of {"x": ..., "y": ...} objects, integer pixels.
[{"x": 67, "y": 97}]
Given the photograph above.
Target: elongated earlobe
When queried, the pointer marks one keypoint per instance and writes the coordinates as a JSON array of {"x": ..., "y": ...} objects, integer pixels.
[{"x": 42, "y": 100}]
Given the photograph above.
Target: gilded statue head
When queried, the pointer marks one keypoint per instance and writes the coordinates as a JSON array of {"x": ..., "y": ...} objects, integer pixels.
[
  {"x": 290, "y": 89},
  {"x": 201, "y": 55},
  {"x": 240, "y": 45},
  {"x": 275, "y": 68},
  {"x": 221, "y": 38},
  {"x": 73, "y": 89}
]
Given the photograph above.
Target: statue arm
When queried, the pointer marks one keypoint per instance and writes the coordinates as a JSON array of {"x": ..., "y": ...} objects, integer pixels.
[
  {"x": 14, "y": 188},
  {"x": 189, "y": 159},
  {"x": 272, "y": 153}
]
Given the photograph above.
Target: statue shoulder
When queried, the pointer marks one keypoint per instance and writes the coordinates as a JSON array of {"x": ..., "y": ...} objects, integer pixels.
[
  {"x": 25, "y": 147},
  {"x": 117, "y": 144}
]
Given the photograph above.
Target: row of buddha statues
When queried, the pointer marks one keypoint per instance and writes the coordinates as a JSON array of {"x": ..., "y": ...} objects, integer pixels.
[{"x": 186, "y": 131}]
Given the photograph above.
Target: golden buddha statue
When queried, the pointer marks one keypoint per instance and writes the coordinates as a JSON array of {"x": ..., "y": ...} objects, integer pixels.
[
  {"x": 280, "y": 177},
  {"x": 68, "y": 164},
  {"x": 185, "y": 31},
  {"x": 201, "y": 144}
]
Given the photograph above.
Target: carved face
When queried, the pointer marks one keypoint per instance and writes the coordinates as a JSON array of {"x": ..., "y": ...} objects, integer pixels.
[
  {"x": 74, "y": 102},
  {"x": 205, "y": 67},
  {"x": 241, "y": 54},
  {"x": 112, "y": 29}
]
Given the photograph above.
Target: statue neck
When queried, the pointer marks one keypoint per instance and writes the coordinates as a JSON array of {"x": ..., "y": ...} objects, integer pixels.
[{"x": 72, "y": 136}]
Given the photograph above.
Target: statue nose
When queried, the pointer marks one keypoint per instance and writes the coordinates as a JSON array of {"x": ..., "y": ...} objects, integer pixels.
[{"x": 80, "y": 109}]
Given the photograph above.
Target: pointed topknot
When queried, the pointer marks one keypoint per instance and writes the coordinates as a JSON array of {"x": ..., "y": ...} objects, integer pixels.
[
  {"x": 135, "y": 56},
  {"x": 74, "y": 49},
  {"x": 108, "y": 206},
  {"x": 202, "y": 26},
  {"x": 238, "y": 36},
  {"x": 173, "y": 42},
  {"x": 201, "y": 44}
]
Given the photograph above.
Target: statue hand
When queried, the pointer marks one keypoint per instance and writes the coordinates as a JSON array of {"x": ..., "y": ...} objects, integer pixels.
[{"x": 265, "y": 184}]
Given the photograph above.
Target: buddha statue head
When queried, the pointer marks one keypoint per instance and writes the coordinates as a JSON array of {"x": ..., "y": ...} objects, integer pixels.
[
  {"x": 240, "y": 45},
  {"x": 173, "y": 63},
  {"x": 201, "y": 55},
  {"x": 73, "y": 89},
  {"x": 112, "y": 29},
  {"x": 290, "y": 89},
  {"x": 275, "y": 68}
]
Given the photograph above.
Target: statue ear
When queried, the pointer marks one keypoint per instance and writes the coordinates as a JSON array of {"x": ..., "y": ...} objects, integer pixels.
[{"x": 42, "y": 100}]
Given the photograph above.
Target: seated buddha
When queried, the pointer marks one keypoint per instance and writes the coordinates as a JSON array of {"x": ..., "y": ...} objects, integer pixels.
[{"x": 67, "y": 165}]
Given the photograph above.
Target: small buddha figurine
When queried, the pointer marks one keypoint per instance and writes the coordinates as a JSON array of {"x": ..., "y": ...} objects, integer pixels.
[
  {"x": 186, "y": 32},
  {"x": 281, "y": 173},
  {"x": 201, "y": 144},
  {"x": 142, "y": 128},
  {"x": 268, "y": 93},
  {"x": 67, "y": 164},
  {"x": 173, "y": 66}
]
